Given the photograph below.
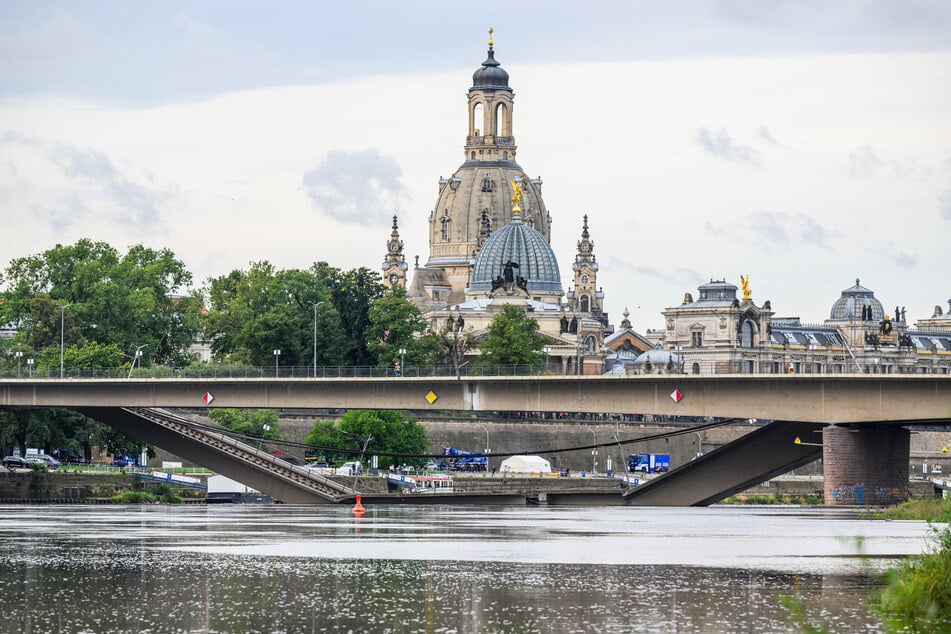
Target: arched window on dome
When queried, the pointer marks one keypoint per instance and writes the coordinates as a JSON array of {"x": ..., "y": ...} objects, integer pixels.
[
  {"x": 585, "y": 302},
  {"x": 746, "y": 335},
  {"x": 500, "y": 125},
  {"x": 444, "y": 221},
  {"x": 472, "y": 156},
  {"x": 505, "y": 156},
  {"x": 478, "y": 119}
]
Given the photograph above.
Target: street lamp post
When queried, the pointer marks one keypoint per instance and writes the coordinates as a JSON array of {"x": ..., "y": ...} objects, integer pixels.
[
  {"x": 486, "y": 430},
  {"x": 29, "y": 364},
  {"x": 547, "y": 353},
  {"x": 137, "y": 360},
  {"x": 594, "y": 452},
  {"x": 62, "y": 337},
  {"x": 315, "y": 304},
  {"x": 277, "y": 356},
  {"x": 19, "y": 355},
  {"x": 402, "y": 361}
]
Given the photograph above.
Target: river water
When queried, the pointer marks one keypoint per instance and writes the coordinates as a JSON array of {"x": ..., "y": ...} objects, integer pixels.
[{"x": 225, "y": 568}]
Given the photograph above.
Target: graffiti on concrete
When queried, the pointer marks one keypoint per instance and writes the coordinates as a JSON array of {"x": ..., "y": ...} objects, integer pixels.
[{"x": 861, "y": 495}]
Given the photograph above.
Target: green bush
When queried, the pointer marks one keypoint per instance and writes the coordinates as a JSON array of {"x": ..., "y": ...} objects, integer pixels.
[{"x": 917, "y": 597}]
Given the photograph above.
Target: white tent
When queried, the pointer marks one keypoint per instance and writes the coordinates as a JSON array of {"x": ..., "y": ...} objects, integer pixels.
[{"x": 525, "y": 464}]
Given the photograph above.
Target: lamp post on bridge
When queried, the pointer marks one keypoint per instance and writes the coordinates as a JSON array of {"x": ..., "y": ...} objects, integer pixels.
[
  {"x": 403, "y": 362},
  {"x": 315, "y": 305},
  {"x": 62, "y": 338},
  {"x": 19, "y": 355},
  {"x": 29, "y": 364},
  {"x": 277, "y": 356}
]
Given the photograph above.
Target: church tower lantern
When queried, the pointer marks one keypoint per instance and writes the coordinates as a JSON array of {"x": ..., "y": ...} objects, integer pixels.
[{"x": 475, "y": 202}]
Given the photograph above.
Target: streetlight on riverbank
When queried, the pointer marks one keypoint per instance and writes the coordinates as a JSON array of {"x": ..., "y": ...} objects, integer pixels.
[{"x": 277, "y": 356}]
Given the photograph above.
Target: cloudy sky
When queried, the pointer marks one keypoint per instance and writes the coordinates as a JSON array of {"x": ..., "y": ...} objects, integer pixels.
[{"x": 805, "y": 144}]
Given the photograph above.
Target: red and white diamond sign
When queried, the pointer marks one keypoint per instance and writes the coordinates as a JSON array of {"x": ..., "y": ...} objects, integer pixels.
[
  {"x": 676, "y": 395},
  {"x": 207, "y": 397}
]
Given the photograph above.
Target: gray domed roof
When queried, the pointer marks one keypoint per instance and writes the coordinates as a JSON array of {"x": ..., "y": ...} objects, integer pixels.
[
  {"x": 852, "y": 301},
  {"x": 490, "y": 75},
  {"x": 657, "y": 356},
  {"x": 526, "y": 247}
]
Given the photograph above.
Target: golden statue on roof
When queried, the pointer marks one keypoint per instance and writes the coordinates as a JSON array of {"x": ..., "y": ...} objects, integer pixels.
[
  {"x": 516, "y": 196},
  {"x": 745, "y": 282},
  {"x": 491, "y": 31}
]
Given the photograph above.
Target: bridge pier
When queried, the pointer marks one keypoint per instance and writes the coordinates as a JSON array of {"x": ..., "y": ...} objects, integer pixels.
[{"x": 865, "y": 465}]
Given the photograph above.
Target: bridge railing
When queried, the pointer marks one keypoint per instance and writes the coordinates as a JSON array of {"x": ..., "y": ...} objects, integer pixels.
[{"x": 212, "y": 371}]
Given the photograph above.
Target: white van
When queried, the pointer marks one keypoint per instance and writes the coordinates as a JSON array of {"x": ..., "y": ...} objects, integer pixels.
[{"x": 350, "y": 468}]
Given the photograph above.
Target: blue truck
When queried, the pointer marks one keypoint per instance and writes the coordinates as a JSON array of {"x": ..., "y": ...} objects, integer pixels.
[
  {"x": 648, "y": 462},
  {"x": 461, "y": 460}
]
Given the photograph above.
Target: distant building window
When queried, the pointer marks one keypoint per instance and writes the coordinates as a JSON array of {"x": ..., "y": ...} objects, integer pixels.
[
  {"x": 472, "y": 156},
  {"x": 589, "y": 344},
  {"x": 505, "y": 156},
  {"x": 749, "y": 366},
  {"x": 696, "y": 368},
  {"x": 696, "y": 339},
  {"x": 584, "y": 303},
  {"x": 746, "y": 335}
]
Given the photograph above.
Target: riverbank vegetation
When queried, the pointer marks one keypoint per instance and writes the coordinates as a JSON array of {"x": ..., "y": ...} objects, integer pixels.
[
  {"x": 917, "y": 594},
  {"x": 157, "y": 494},
  {"x": 804, "y": 500}
]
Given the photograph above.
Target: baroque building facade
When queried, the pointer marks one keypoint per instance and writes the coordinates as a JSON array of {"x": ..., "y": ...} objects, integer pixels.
[
  {"x": 721, "y": 333},
  {"x": 489, "y": 243}
]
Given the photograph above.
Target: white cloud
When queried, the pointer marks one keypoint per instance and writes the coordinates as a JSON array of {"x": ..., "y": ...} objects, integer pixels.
[
  {"x": 356, "y": 187},
  {"x": 721, "y": 145}
]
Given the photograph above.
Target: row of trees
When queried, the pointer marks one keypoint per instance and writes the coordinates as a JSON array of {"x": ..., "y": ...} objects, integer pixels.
[{"x": 88, "y": 306}]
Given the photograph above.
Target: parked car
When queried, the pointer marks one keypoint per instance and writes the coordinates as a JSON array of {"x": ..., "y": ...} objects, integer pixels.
[
  {"x": 431, "y": 466},
  {"x": 16, "y": 462},
  {"x": 47, "y": 461}
]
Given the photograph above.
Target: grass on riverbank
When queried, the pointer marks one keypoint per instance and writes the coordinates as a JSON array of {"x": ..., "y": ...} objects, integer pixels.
[
  {"x": 804, "y": 500},
  {"x": 917, "y": 597},
  {"x": 929, "y": 510},
  {"x": 159, "y": 493}
]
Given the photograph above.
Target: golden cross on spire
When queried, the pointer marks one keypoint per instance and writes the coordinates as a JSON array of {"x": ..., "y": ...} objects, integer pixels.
[{"x": 491, "y": 31}]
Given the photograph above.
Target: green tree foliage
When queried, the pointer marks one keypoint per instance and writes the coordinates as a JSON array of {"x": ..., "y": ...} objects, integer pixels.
[
  {"x": 52, "y": 429},
  {"x": 388, "y": 431},
  {"x": 395, "y": 323},
  {"x": 512, "y": 338},
  {"x": 250, "y": 423},
  {"x": 254, "y": 312},
  {"x": 351, "y": 293},
  {"x": 124, "y": 300}
]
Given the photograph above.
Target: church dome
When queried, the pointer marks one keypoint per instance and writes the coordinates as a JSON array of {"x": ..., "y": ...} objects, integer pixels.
[
  {"x": 491, "y": 75},
  {"x": 522, "y": 245},
  {"x": 657, "y": 358},
  {"x": 851, "y": 303}
]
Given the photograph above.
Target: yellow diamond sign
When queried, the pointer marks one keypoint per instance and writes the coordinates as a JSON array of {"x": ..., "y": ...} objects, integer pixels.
[{"x": 431, "y": 397}]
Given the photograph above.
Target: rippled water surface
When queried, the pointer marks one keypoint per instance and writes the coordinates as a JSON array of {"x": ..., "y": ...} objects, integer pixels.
[{"x": 441, "y": 569}]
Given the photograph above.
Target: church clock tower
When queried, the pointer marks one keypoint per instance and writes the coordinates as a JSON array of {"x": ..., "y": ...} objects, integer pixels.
[
  {"x": 585, "y": 297},
  {"x": 394, "y": 265}
]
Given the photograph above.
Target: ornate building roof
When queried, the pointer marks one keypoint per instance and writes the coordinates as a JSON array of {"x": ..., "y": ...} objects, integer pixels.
[
  {"x": 852, "y": 303},
  {"x": 520, "y": 245}
]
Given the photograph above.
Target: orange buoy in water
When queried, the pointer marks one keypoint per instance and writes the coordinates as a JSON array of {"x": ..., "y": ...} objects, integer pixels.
[{"x": 358, "y": 508}]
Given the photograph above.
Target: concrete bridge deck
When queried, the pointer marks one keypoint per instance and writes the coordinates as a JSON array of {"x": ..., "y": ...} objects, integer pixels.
[{"x": 836, "y": 398}]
